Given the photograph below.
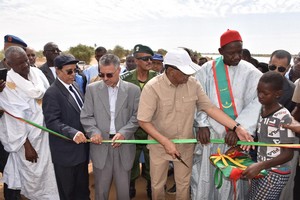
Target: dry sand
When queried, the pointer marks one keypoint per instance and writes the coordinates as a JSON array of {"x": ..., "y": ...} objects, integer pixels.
[{"x": 141, "y": 193}]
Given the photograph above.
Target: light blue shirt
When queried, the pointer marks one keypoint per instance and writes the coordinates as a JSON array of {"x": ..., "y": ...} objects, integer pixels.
[{"x": 90, "y": 73}]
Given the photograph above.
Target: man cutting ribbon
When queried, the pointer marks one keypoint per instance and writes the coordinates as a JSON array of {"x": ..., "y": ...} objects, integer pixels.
[{"x": 166, "y": 111}]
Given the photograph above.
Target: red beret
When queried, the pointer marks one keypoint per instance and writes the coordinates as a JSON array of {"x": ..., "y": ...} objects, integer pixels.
[{"x": 230, "y": 36}]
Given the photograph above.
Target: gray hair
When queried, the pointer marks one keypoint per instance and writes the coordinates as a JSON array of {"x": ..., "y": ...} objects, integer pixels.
[
  {"x": 109, "y": 59},
  {"x": 13, "y": 51}
]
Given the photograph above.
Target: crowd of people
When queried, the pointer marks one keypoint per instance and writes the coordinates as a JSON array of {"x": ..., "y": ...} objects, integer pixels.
[{"x": 177, "y": 96}]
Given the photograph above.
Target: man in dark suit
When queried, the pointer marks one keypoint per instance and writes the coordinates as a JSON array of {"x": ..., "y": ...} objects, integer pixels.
[
  {"x": 109, "y": 112},
  {"x": 51, "y": 51},
  {"x": 61, "y": 107}
]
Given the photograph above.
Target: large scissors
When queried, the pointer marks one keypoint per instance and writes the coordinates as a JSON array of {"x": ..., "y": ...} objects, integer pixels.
[{"x": 179, "y": 158}]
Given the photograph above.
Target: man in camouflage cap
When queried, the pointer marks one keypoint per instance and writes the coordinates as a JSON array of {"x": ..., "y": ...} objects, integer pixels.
[{"x": 140, "y": 76}]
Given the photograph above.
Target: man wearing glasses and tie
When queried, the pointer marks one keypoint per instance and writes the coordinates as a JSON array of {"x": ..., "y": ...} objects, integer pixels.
[
  {"x": 109, "y": 113},
  {"x": 140, "y": 76},
  {"x": 62, "y": 104}
]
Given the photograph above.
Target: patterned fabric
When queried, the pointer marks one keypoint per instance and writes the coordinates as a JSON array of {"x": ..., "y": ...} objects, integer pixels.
[
  {"x": 269, "y": 187},
  {"x": 270, "y": 131}
]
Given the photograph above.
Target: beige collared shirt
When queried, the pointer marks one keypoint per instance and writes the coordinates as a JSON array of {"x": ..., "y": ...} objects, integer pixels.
[{"x": 171, "y": 109}]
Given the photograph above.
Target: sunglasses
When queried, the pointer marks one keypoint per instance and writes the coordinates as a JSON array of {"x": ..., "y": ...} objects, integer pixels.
[
  {"x": 145, "y": 58},
  {"x": 274, "y": 67},
  {"x": 32, "y": 55},
  {"x": 108, "y": 75},
  {"x": 53, "y": 50},
  {"x": 70, "y": 71}
]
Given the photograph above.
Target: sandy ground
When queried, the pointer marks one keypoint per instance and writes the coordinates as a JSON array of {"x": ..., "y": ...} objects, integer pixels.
[{"x": 141, "y": 193}]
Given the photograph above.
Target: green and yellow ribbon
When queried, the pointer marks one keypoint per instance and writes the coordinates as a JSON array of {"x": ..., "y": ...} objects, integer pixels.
[{"x": 176, "y": 141}]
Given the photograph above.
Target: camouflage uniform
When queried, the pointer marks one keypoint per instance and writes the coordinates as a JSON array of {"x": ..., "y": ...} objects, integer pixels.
[{"x": 140, "y": 134}]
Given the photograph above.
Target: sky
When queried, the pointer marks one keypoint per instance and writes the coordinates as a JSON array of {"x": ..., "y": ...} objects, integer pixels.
[{"x": 265, "y": 25}]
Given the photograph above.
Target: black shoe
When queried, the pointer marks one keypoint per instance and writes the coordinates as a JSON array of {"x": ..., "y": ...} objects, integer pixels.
[
  {"x": 172, "y": 190},
  {"x": 132, "y": 191}
]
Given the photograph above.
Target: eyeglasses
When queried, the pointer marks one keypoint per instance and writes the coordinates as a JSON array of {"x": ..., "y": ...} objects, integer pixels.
[
  {"x": 108, "y": 75},
  {"x": 30, "y": 55},
  {"x": 70, "y": 71},
  {"x": 145, "y": 58},
  {"x": 53, "y": 50},
  {"x": 274, "y": 67}
]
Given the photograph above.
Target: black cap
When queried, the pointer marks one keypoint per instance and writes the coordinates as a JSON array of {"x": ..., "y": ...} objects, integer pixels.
[{"x": 63, "y": 60}]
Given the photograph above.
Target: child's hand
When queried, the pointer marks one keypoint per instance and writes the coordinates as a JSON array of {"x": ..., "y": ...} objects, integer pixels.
[{"x": 252, "y": 171}]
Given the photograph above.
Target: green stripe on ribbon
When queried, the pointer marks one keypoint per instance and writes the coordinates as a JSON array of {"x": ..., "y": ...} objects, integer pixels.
[
  {"x": 38, "y": 126},
  {"x": 176, "y": 141},
  {"x": 214, "y": 141}
]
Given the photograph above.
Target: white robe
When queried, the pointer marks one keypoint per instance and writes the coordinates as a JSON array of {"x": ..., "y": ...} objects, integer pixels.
[
  {"x": 243, "y": 78},
  {"x": 22, "y": 98}
]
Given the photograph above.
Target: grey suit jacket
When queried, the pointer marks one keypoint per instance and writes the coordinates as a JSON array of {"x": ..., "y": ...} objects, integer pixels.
[{"x": 95, "y": 119}]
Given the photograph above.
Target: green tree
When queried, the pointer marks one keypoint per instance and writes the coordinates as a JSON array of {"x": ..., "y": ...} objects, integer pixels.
[
  {"x": 162, "y": 51},
  {"x": 82, "y": 52},
  {"x": 39, "y": 54},
  {"x": 120, "y": 51}
]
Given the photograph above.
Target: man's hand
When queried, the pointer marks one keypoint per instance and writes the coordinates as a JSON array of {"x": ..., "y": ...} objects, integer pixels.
[
  {"x": 170, "y": 148},
  {"x": 96, "y": 139},
  {"x": 30, "y": 153},
  {"x": 203, "y": 135},
  {"x": 294, "y": 126},
  {"x": 2, "y": 85},
  {"x": 252, "y": 171},
  {"x": 118, "y": 136},
  {"x": 244, "y": 136},
  {"x": 79, "y": 138},
  {"x": 231, "y": 138}
]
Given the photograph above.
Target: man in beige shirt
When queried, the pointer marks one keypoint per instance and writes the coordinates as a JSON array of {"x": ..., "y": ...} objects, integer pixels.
[{"x": 166, "y": 111}]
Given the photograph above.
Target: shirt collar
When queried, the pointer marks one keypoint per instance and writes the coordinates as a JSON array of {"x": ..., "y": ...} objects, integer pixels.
[
  {"x": 166, "y": 79},
  {"x": 64, "y": 84},
  {"x": 116, "y": 87}
]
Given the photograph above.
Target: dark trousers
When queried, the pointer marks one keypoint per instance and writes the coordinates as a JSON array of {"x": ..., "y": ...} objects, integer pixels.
[
  {"x": 135, "y": 171},
  {"x": 297, "y": 183},
  {"x": 72, "y": 182},
  {"x": 9, "y": 194}
]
